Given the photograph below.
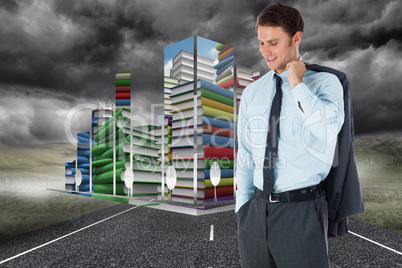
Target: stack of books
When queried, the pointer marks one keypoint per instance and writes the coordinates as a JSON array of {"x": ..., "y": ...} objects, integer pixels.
[
  {"x": 100, "y": 116},
  {"x": 256, "y": 75},
  {"x": 214, "y": 140},
  {"x": 123, "y": 90},
  {"x": 183, "y": 67},
  {"x": 83, "y": 160},
  {"x": 70, "y": 176},
  {"x": 164, "y": 141},
  {"x": 137, "y": 149},
  {"x": 225, "y": 72},
  {"x": 167, "y": 102}
]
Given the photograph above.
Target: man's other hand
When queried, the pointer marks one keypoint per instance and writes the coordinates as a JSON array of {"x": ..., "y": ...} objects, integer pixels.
[{"x": 296, "y": 70}]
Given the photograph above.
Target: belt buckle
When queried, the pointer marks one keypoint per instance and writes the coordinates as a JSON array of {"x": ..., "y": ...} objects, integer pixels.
[{"x": 272, "y": 201}]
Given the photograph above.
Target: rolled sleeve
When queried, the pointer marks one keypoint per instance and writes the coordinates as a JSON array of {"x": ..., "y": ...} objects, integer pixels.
[{"x": 323, "y": 110}]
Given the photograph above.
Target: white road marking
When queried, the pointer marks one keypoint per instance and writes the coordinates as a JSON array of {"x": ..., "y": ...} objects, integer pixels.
[
  {"x": 378, "y": 244},
  {"x": 211, "y": 235},
  {"x": 79, "y": 230}
]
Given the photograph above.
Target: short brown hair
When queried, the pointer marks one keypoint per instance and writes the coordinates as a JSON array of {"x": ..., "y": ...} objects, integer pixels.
[{"x": 281, "y": 15}]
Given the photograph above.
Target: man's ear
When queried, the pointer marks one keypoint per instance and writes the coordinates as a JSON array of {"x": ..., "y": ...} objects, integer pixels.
[{"x": 296, "y": 39}]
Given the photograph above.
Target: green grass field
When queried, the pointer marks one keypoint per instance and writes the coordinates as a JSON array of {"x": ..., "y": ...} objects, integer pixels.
[
  {"x": 25, "y": 204},
  {"x": 379, "y": 160},
  {"x": 26, "y": 171}
]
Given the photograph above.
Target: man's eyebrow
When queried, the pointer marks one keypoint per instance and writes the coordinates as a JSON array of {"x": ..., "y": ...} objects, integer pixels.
[{"x": 269, "y": 41}]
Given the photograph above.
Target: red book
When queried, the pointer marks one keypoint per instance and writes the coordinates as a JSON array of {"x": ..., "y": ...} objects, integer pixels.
[
  {"x": 123, "y": 89},
  {"x": 203, "y": 193},
  {"x": 203, "y": 152},
  {"x": 123, "y": 96},
  {"x": 240, "y": 82},
  {"x": 224, "y": 49}
]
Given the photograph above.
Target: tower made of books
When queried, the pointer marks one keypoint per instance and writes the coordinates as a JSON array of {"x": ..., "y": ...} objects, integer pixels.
[
  {"x": 120, "y": 145},
  {"x": 202, "y": 130}
]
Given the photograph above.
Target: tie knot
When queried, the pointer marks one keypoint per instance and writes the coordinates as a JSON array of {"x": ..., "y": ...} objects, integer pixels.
[{"x": 278, "y": 79}]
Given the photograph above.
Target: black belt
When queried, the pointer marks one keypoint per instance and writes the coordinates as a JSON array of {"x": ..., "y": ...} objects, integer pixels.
[{"x": 298, "y": 195}]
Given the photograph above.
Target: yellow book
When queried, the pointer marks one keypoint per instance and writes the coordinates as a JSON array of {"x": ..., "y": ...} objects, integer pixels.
[
  {"x": 202, "y": 101},
  {"x": 224, "y": 54},
  {"x": 205, "y": 111}
]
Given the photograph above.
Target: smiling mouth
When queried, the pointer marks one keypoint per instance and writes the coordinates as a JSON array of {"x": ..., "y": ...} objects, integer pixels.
[{"x": 270, "y": 60}]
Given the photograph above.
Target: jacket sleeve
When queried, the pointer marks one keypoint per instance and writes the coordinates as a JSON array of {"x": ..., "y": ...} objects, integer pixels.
[{"x": 342, "y": 185}]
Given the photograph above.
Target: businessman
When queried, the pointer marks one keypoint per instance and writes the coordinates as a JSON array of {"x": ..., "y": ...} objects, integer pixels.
[{"x": 288, "y": 124}]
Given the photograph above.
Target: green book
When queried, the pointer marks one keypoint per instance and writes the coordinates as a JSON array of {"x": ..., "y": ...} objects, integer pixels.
[
  {"x": 138, "y": 189},
  {"x": 107, "y": 177},
  {"x": 101, "y": 162},
  {"x": 123, "y": 82},
  {"x": 201, "y": 92},
  {"x": 124, "y": 164},
  {"x": 123, "y": 134},
  {"x": 223, "y": 163},
  {"x": 123, "y": 151},
  {"x": 121, "y": 122},
  {"x": 126, "y": 71},
  {"x": 139, "y": 176},
  {"x": 122, "y": 112}
]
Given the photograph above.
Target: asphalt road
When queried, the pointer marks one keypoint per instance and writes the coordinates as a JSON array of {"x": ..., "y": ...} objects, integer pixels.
[{"x": 146, "y": 237}]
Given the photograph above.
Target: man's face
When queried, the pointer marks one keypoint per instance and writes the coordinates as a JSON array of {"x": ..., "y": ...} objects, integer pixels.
[{"x": 277, "y": 47}]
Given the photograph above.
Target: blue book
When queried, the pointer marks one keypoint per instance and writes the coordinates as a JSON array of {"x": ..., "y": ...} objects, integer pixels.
[
  {"x": 82, "y": 159},
  {"x": 70, "y": 168},
  {"x": 202, "y": 120},
  {"x": 84, "y": 165},
  {"x": 203, "y": 139},
  {"x": 70, "y": 164},
  {"x": 69, "y": 186},
  {"x": 83, "y": 135},
  {"x": 83, "y": 152},
  {"x": 202, "y": 173},
  {"x": 223, "y": 63},
  {"x": 123, "y": 102},
  {"x": 85, "y": 188},
  {"x": 84, "y": 171},
  {"x": 189, "y": 86},
  {"x": 85, "y": 179},
  {"x": 220, "y": 70}
]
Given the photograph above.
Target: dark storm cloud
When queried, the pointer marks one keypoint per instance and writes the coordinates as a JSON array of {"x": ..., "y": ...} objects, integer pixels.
[
  {"x": 69, "y": 51},
  {"x": 334, "y": 29},
  {"x": 9, "y": 5}
]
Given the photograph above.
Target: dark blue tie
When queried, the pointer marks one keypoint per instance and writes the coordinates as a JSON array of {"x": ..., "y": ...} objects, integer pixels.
[{"x": 271, "y": 150}]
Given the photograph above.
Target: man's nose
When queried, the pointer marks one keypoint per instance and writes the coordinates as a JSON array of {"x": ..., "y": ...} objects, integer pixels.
[{"x": 265, "y": 50}]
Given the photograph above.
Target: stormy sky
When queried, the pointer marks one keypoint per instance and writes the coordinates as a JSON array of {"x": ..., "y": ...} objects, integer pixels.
[{"x": 58, "y": 58}]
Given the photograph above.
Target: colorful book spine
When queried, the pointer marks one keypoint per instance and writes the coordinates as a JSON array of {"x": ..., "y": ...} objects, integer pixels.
[{"x": 123, "y": 89}]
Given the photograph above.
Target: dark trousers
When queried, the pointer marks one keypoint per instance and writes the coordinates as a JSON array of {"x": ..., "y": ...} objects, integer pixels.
[{"x": 283, "y": 234}]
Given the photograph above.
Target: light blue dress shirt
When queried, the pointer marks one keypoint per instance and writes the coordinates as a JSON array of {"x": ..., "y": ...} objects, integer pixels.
[{"x": 307, "y": 139}]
